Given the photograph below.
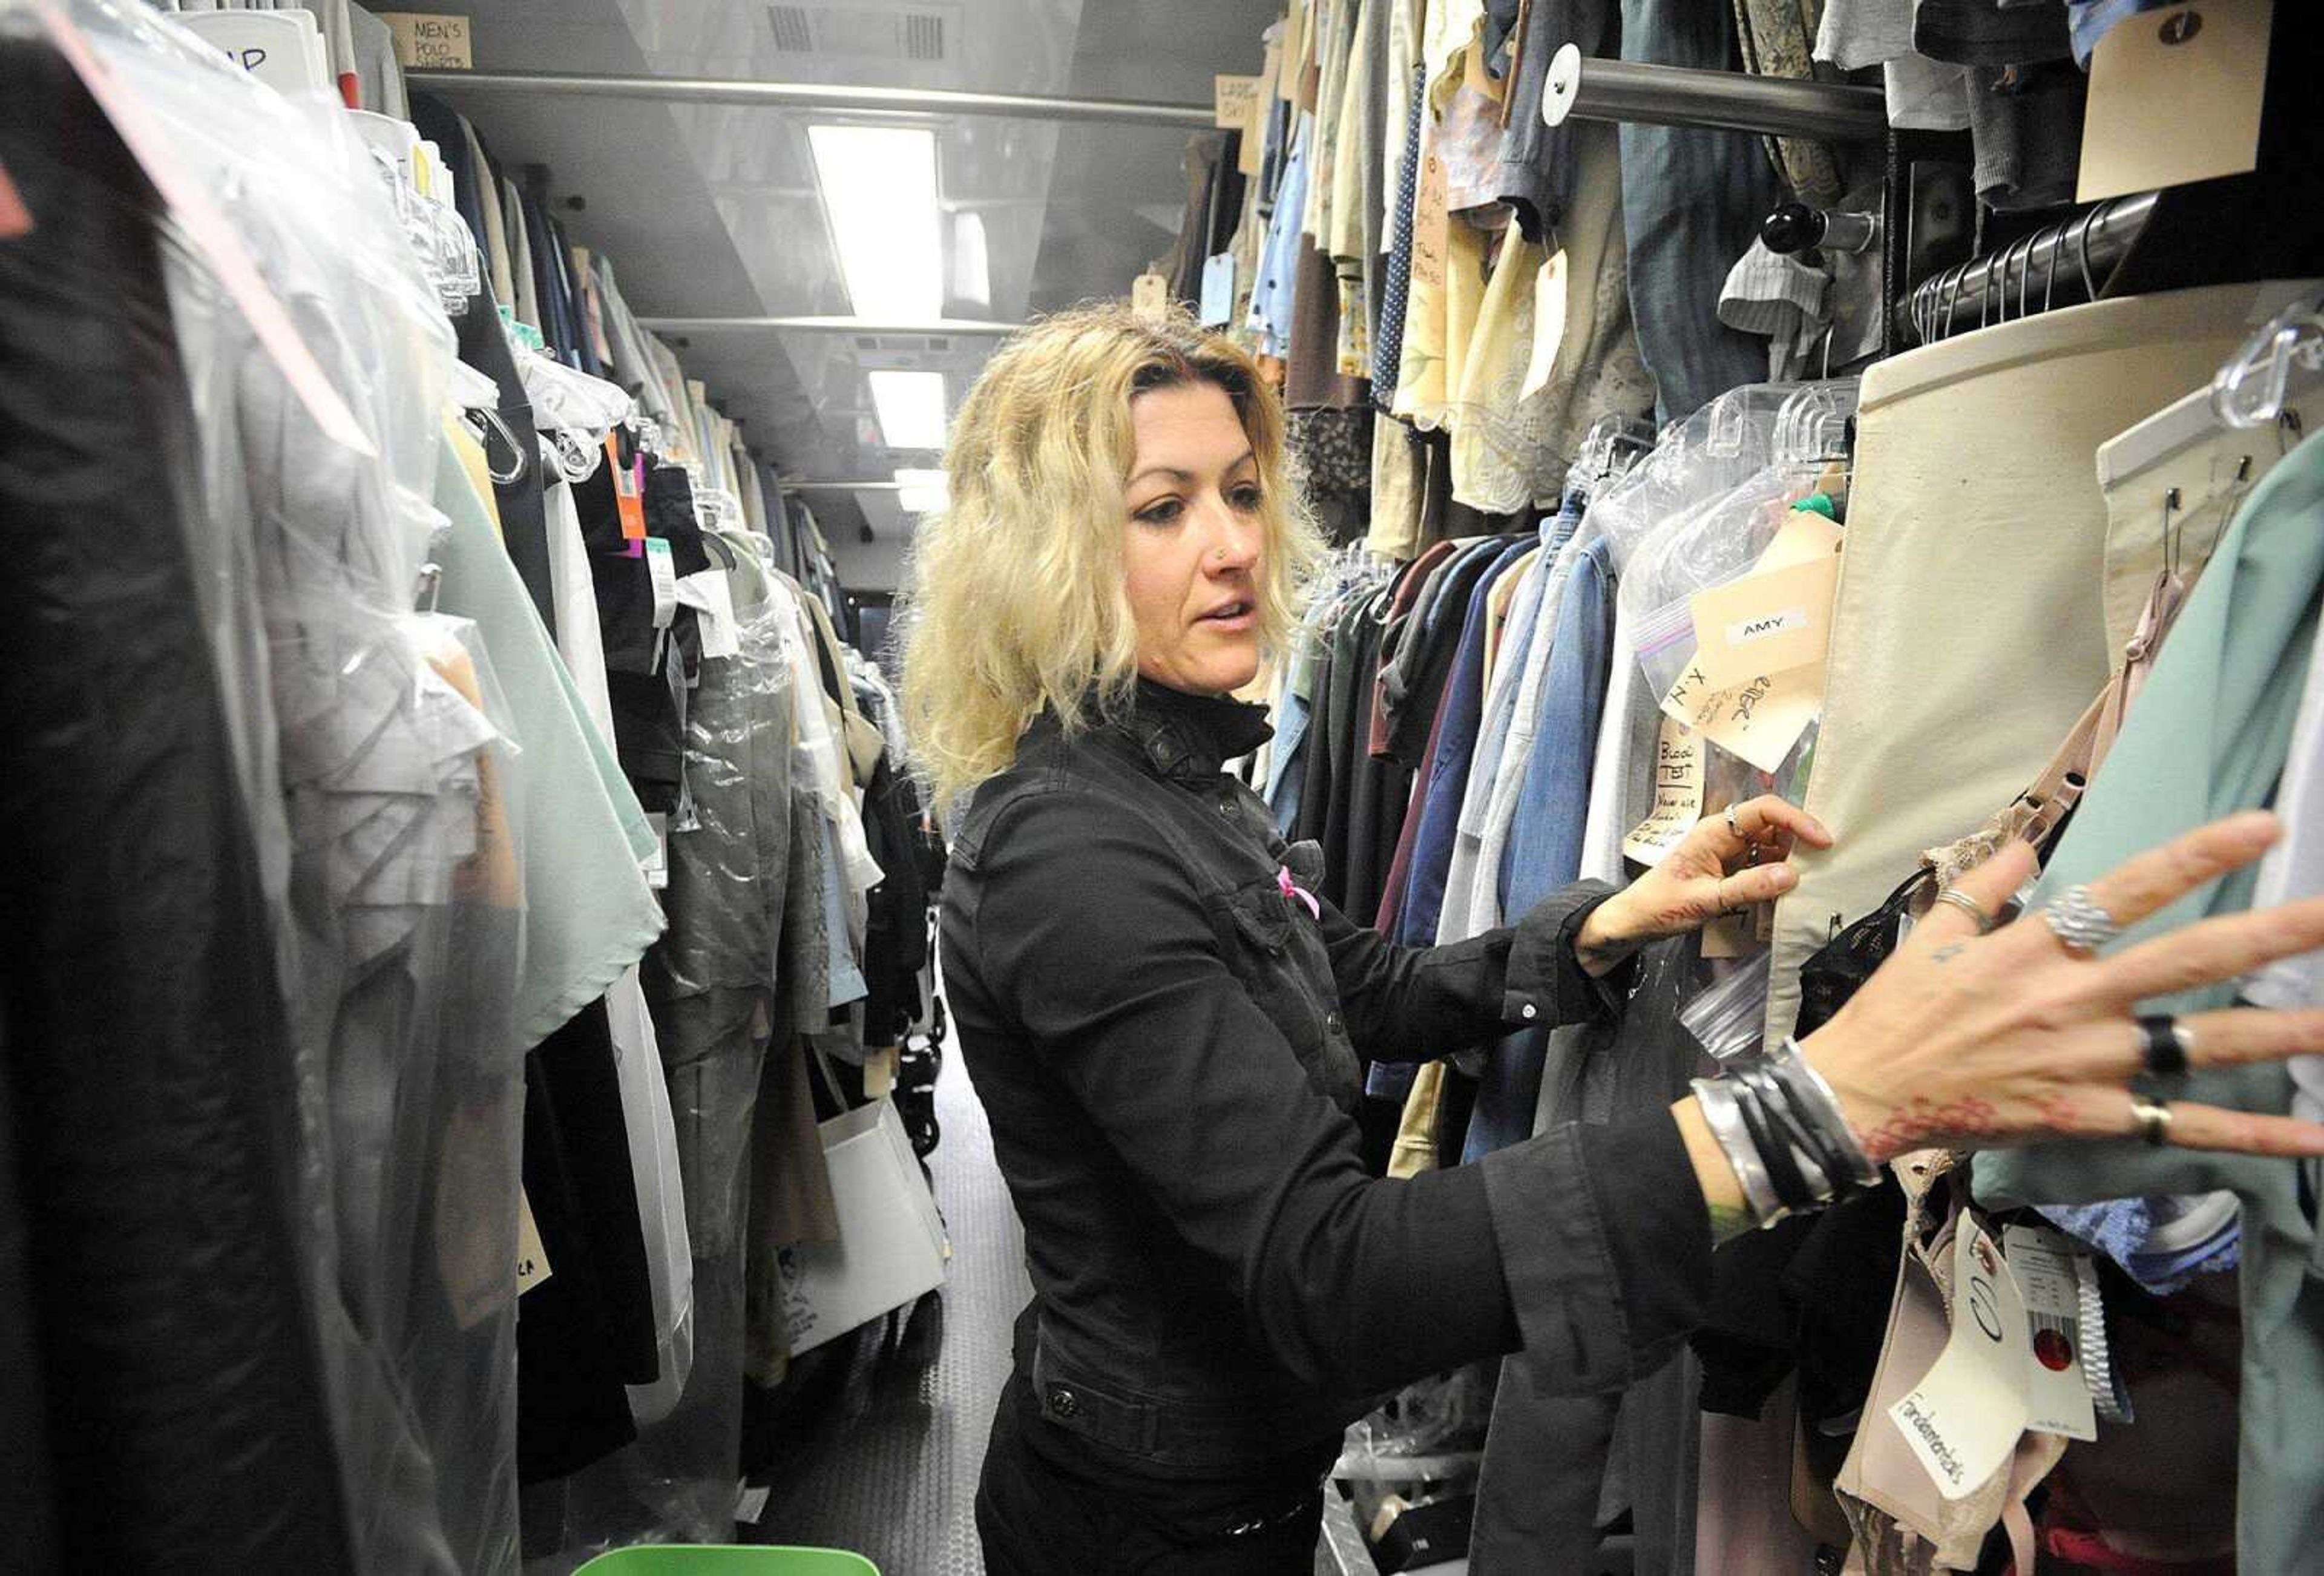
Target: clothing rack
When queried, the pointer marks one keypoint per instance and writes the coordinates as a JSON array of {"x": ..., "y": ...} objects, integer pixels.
[
  {"x": 914, "y": 104},
  {"x": 2074, "y": 258},
  {"x": 1585, "y": 87}
]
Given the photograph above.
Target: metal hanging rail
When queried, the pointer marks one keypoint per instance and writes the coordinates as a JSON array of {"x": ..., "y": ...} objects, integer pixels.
[
  {"x": 900, "y": 103},
  {"x": 956, "y": 328},
  {"x": 1585, "y": 87},
  {"x": 2073, "y": 260}
]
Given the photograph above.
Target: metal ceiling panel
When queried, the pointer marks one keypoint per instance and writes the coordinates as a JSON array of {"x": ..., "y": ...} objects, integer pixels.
[{"x": 712, "y": 210}]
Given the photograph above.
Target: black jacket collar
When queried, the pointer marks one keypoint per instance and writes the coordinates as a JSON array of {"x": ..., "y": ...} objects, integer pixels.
[{"x": 1190, "y": 736}]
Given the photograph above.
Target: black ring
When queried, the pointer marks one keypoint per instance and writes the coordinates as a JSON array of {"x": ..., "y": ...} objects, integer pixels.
[{"x": 2165, "y": 1053}]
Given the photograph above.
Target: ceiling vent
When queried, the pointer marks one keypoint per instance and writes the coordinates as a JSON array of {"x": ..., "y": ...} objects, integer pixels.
[{"x": 887, "y": 32}]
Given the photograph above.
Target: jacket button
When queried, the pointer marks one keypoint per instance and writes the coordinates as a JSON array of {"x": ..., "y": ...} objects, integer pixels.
[
  {"x": 1064, "y": 1402},
  {"x": 1529, "y": 1012},
  {"x": 1334, "y": 1022},
  {"x": 1226, "y": 806}
]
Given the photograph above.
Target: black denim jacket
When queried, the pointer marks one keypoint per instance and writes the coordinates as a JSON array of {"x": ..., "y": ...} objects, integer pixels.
[{"x": 1168, "y": 1047}]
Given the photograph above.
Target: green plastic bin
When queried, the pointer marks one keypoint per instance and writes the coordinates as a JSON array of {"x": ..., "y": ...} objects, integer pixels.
[{"x": 726, "y": 1560}]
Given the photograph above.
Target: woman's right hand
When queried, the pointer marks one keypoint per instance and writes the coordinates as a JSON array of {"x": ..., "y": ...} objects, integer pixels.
[{"x": 1970, "y": 1041}]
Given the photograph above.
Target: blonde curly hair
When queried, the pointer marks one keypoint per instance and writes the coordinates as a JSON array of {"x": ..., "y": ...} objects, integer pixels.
[{"x": 1016, "y": 599}]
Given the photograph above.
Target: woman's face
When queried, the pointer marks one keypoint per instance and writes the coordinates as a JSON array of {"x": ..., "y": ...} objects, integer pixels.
[{"x": 1194, "y": 540}]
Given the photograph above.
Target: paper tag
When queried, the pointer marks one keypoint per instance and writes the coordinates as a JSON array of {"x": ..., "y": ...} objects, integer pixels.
[
  {"x": 1678, "y": 796},
  {"x": 1295, "y": 52},
  {"x": 15, "y": 218},
  {"x": 879, "y": 1072},
  {"x": 663, "y": 568},
  {"x": 1230, "y": 101},
  {"x": 531, "y": 1258},
  {"x": 1431, "y": 220},
  {"x": 2175, "y": 95},
  {"x": 657, "y": 870},
  {"x": 428, "y": 42},
  {"x": 1733, "y": 935},
  {"x": 1150, "y": 295},
  {"x": 1765, "y": 623},
  {"x": 2041, "y": 1262},
  {"x": 1965, "y": 1415},
  {"x": 1218, "y": 289},
  {"x": 712, "y": 597},
  {"x": 1757, "y": 721},
  {"x": 751, "y": 1504}
]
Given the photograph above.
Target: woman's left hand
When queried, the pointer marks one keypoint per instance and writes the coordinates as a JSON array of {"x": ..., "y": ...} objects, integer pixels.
[{"x": 1728, "y": 862}]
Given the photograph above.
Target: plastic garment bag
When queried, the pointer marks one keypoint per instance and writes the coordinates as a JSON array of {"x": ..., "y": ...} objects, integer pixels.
[
  {"x": 398, "y": 917},
  {"x": 708, "y": 983},
  {"x": 148, "y": 1127},
  {"x": 1720, "y": 538}
]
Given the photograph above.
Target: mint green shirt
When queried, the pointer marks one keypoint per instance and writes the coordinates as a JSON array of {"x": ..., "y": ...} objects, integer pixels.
[{"x": 2208, "y": 737}]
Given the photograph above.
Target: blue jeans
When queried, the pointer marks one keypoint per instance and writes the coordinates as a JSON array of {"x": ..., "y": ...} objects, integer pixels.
[{"x": 1692, "y": 204}]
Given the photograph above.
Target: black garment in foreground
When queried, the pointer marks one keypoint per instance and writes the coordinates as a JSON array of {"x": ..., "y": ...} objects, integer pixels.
[
  {"x": 1167, "y": 1047},
  {"x": 152, "y": 1120}
]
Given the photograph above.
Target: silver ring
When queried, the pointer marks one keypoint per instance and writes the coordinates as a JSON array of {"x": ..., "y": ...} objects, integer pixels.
[
  {"x": 2154, "y": 1119},
  {"x": 1732, "y": 825},
  {"x": 1967, "y": 905},
  {"x": 2079, "y": 922}
]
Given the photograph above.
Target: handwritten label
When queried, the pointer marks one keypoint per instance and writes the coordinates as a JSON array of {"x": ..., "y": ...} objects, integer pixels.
[
  {"x": 1431, "y": 220},
  {"x": 1678, "y": 796},
  {"x": 428, "y": 43},
  {"x": 15, "y": 218},
  {"x": 1230, "y": 101},
  {"x": 531, "y": 1258},
  {"x": 1149, "y": 296},
  {"x": 1969, "y": 1411},
  {"x": 1758, "y": 721}
]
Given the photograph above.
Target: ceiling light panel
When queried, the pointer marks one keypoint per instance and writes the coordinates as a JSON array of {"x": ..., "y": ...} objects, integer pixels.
[
  {"x": 921, "y": 492},
  {"x": 911, "y": 407},
  {"x": 879, "y": 192}
]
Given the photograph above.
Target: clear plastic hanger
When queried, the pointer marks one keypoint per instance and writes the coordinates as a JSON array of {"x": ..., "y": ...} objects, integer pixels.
[{"x": 2284, "y": 359}]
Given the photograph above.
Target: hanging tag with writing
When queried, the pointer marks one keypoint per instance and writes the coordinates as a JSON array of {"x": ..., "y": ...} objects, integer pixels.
[
  {"x": 1965, "y": 1415},
  {"x": 1678, "y": 795}
]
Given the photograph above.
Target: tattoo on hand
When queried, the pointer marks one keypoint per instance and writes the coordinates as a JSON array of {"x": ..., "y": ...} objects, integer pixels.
[
  {"x": 1948, "y": 953},
  {"x": 1911, "y": 1126}
]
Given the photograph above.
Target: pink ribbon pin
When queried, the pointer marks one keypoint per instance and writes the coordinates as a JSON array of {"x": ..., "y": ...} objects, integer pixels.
[{"x": 1290, "y": 888}]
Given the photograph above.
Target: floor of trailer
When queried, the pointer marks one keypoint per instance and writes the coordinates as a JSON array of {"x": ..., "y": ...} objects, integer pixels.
[{"x": 883, "y": 1458}]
